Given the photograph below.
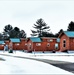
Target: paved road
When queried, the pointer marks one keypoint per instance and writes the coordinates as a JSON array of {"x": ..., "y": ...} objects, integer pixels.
[{"x": 61, "y": 64}]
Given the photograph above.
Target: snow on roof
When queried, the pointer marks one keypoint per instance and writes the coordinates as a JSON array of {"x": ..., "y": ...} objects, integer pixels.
[
  {"x": 15, "y": 40},
  {"x": 69, "y": 33},
  {"x": 1, "y": 42},
  {"x": 35, "y": 39}
]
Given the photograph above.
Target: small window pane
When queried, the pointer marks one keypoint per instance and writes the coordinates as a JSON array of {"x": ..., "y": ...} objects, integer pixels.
[
  {"x": 56, "y": 46},
  {"x": 49, "y": 40},
  {"x": 64, "y": 45},
  {"x": 38, "y": 44},
  {"x": 64, "y": 41}
]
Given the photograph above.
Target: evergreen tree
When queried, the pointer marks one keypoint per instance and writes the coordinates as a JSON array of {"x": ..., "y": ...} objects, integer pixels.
[
  {"x": 71, "y": 26},
  {"x": 22, "y": 34},
  {"x": 57, "y": 34},
  {"x": 8, "y": 28},
  {"x": 40, "y": 27}
]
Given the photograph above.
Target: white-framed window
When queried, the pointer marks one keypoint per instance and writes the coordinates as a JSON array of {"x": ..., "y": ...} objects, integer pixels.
[
  {"x": 38, "y": 44},
  {"x": 48, "y": 44},
  {"x": 17, "y": 44},
  {"x": 56, "y": 46},
  {"x": 64, "y": 43},
  {"x": 50, "y": 40}
]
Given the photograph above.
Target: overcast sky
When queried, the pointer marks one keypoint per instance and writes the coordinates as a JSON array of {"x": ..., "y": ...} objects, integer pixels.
[{"x": 24, "y": 13}]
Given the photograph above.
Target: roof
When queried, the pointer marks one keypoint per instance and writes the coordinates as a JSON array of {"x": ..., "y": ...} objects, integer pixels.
[
  {"x": 1, "y": 42},
  {"x": 69, "y": 33},
  {"x": 48, "y": 37},
  {"x": 35, "y": 39},
  {"x": 15, "y": 40}
]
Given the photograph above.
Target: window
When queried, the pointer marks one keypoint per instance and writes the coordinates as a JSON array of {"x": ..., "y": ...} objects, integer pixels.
[
  {"x": 17, "y": 44},
  {"x": 50, "y": 40},
  {"x": 26, "y": 44},
  {"x": 48, "y": 44},
  {"x": 56, "y": 46},
  {"x": 38, "y": 44},
  {"x": 30, "y": 44},
  {"x": 64, "y": 43}
]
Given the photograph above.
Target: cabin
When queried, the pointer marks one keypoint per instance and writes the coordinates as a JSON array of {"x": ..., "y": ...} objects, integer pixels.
[
  {"x": 15, "y": 44},
  {"x": 50, "y": 43},
  {"x": 43, "y": 44},
  {"x": 2, "y": 45},
  {"x": 66, "y": 41},
  {"x": 34, "y": 44}
]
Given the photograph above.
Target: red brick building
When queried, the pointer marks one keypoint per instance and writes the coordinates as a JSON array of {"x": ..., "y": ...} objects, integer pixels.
[
  {"x": 43, "y": 44},
  {"x": 15, "y": 44},
  {"x": 50, "y": 43},
  {"x": 66, "y": 40},
  {"x": 34, "y": 44},
  {"x": 2, "y": 45}
]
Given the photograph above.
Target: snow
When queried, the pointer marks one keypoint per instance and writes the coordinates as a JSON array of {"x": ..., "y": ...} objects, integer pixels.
[
  {"x": 14, "y": 65},
  {"x": 69, "y": 57}
]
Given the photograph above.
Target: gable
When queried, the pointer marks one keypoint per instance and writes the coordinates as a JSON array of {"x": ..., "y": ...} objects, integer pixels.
[{"x": 69, "y": 34}]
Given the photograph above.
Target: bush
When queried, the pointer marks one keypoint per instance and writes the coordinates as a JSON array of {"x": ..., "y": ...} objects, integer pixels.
[
  {"x": 53, "y": 51},
  {"x": 10, "y": 51},
  {"x": 29, "y": 51}
]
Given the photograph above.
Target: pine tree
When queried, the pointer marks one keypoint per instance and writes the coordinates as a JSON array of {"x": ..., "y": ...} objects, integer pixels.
[
  {"x": 40, "y": 27},
  {"x": 71, "y": 26}
]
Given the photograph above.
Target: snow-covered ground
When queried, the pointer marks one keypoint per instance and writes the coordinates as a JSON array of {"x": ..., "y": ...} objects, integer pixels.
[
  {"x": 14, "y": 65},
  {"x": 69, "y": 57}
]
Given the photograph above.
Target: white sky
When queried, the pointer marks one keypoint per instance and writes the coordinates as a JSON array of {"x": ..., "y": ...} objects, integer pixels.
[{"x": 24, "y": 13}]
